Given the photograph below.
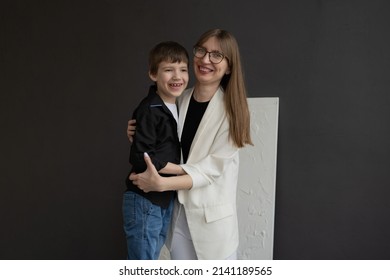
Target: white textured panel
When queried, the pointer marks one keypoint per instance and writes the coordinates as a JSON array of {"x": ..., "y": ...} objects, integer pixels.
[{"x": 256, "y": 185}]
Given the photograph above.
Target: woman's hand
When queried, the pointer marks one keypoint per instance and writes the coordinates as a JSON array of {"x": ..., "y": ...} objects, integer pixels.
[
  {"x": 149, "y": 180},
  {"x": 130, "y": 130}
]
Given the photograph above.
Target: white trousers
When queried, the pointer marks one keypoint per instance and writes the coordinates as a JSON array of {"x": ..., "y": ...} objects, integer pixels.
[{"x": 182, "y": 247}]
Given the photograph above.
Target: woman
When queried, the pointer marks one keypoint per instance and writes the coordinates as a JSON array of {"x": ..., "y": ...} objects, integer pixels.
[{"x": 213, "y": 124}]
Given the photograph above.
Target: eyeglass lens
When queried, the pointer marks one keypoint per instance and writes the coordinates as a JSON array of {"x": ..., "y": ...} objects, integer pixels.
[{"x": 215, "y": 57}]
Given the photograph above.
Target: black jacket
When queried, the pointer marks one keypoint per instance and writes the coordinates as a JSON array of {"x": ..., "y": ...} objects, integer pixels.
[{"x": 156, "y": 134}]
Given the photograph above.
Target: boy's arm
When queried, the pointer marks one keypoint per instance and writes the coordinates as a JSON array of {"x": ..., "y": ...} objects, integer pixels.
[{"x": 145, "y": 140}]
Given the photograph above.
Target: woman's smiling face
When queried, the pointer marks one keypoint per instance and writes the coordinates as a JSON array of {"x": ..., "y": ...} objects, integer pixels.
[{"x": 207, "y": 72}]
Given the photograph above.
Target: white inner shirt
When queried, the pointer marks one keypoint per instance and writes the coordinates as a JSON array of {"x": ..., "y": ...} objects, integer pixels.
[{"x": 173, "y": 108}]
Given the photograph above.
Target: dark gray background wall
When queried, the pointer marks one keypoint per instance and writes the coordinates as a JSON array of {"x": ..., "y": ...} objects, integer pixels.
[{"x": 73, "y": 71}]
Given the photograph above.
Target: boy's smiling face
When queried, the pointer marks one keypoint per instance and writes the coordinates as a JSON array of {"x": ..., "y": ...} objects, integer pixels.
[{"x": 171, "y": 79}]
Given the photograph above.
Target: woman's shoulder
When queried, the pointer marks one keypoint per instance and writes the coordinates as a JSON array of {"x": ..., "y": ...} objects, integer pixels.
[
  {"x": 185, "y": 95},
  {"x": 187, "y": 91}
]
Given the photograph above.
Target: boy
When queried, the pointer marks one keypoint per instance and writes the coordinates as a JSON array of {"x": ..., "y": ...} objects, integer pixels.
[{"x": 147, "y": 215}]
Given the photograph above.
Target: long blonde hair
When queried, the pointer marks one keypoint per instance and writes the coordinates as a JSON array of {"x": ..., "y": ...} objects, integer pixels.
[{"x": 236, "y": 104}]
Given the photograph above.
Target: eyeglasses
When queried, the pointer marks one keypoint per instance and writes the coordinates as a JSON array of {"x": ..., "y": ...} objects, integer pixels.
[{"x": 214, "y": 56}]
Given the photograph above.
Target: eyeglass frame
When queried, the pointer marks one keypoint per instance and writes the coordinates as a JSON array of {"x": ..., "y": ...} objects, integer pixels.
[{"x": 195, "y": 48}]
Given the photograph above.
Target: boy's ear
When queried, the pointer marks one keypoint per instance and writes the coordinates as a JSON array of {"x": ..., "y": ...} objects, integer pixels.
[{"x": 153, "y": 77}]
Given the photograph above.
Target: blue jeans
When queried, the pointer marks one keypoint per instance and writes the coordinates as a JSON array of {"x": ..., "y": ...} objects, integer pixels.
[{"x": 146, "y": 226}]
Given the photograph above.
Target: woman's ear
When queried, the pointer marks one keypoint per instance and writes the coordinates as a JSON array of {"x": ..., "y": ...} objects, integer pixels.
[{"x": 227, "y": 71}]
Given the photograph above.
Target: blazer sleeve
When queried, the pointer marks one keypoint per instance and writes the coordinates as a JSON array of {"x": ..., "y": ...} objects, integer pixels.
[{"x": 222, "y": 153}]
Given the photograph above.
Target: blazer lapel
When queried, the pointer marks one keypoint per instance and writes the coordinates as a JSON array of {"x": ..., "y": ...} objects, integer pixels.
[{"x": 184, "y": 102}]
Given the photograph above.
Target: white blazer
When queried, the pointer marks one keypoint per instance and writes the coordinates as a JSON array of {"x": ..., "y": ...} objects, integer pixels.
[{"x": 213, "y": 160}]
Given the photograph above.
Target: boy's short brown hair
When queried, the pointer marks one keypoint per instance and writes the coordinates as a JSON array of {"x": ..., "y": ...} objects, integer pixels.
[{"x": 169, "y": 51}]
